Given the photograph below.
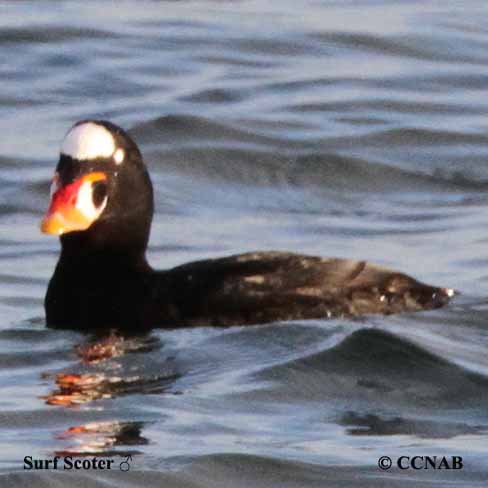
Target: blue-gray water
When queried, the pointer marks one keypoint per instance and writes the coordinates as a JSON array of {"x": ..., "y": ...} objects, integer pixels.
[{"x": 354, "y": 129}]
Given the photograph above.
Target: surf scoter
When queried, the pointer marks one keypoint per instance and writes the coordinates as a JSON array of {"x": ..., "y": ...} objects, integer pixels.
[{"x": 102, "y": 208}]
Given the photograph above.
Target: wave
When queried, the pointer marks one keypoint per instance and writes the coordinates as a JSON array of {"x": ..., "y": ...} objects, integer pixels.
[
  {"x": 202, "y": 147},
  {"x": 376, "y": 369}
]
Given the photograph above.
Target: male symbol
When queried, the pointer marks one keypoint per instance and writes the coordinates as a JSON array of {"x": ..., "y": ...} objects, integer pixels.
[{"x": 124, "y": 465}]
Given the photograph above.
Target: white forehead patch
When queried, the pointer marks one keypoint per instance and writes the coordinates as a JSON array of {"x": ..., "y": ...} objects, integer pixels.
[{"x": 88, "y": 141}]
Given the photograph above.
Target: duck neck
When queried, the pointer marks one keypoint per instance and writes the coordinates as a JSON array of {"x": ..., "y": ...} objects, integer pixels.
[{"x": 115, "y": 259}]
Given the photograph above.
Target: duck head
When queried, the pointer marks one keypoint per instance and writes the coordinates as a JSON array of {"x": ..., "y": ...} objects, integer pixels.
[{"x": 101, "y": 193}]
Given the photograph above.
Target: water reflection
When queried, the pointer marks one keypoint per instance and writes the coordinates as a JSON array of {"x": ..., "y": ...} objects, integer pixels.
[
  {"x": 102, "y": 438},
  {"x": 374, "y": 425},
  {"x": 102, "y": 373},
  {"x": 114, "y": 344}
]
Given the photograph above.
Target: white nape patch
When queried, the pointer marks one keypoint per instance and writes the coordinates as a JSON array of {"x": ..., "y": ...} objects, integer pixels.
[
  {"x": 88, "y": 141},
  {"x": 84, "y": 202},
  {"x": 119, "y": 156}
]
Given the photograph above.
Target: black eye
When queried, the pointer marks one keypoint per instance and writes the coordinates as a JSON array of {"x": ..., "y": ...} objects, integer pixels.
[{"x": 99, "y": 193}]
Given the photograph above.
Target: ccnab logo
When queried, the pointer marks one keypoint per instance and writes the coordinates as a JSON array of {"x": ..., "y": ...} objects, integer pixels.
[{"x": 430, "y": 462}]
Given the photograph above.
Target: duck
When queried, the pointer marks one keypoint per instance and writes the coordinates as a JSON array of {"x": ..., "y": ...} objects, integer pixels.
[{"x": 101, "y": 208}]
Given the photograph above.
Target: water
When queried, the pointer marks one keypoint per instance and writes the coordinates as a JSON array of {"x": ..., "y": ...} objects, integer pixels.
[{"x": 331, "y": 128}]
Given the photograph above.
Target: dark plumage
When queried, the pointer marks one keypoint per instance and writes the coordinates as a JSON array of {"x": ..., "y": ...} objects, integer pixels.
[{"x": 103, "y": 280}]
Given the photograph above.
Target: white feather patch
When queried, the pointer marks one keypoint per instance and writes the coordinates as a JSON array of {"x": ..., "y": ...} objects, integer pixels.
[
  {"x": 88, "y": 141},
  {"x": 119, "y": 156},
  {"x": 84, "y": 202}
]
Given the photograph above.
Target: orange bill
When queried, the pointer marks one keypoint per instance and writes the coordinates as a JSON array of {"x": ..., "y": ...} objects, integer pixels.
[{"x": 65, "y": 213}]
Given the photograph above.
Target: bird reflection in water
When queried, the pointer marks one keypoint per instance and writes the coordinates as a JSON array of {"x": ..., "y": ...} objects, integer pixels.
[
  {"x": 103, "y": 438},
  {"x": 104, "y": 373},
  {"x": 110, "y": 379}
]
